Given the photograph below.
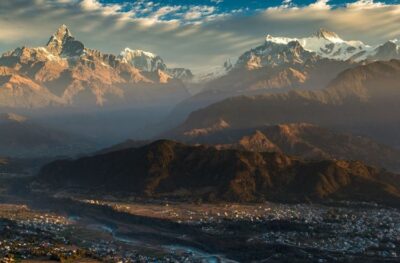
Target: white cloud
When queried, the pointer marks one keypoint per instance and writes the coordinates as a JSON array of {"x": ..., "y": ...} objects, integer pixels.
[
  {"x": 365, "y": 4},
  {"x": 286, "y": 4},
  {"x": 197, "y": 12},
  {"x": 165, "y": 10},
  {"x": 320, "y": 5},
  {"x": 89, "y": 5}
]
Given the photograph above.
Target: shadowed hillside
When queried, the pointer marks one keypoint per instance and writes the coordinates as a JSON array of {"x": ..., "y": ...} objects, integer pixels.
[
  {"x": 304, "y": 140},
  {"x": 166, "y": 168}
]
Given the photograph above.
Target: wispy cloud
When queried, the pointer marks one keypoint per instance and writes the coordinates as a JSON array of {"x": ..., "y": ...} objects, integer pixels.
[{"x": 198, "y": 12}]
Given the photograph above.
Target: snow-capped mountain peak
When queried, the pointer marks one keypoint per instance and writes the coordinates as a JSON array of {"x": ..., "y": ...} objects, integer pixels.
[
  {"x": 325, "y": 44},
  {"x": 272, "y": 53},
  {"x": 136, "y": 53},
  {"x": 64, "y": 44},
  {"x": 215, "y": 72},
  {"x": 395, "y": 41},
  {"x": 62, "y": 32},
  {"x": 279, "y": 40},
  {"x": 143, "y": 60},
  {"x": 277, "y": 50},
  {"x": 64, "y": 72},
  {"x": 150, "y": 62}
]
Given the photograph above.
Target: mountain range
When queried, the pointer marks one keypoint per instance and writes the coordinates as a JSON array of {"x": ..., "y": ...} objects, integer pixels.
[
  {"x": 167, "y": 168},
  {"x": 66, "y": 73},
  {"x": 321, "y": 79},
  {"x": 363, "y": 99},
  {"x": 328, "y": 44},
  {"x": 303, "y": 140},
  {"x": 281, "y": 64},
  {"x": 311, "y": 118},
  {"x": 276, "y": 51}
]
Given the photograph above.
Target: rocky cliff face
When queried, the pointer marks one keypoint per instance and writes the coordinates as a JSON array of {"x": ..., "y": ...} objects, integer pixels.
[{"x": 62, "y": 43}]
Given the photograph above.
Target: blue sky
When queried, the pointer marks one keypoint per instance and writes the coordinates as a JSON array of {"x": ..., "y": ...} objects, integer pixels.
[
  {"x": 229, "y": 5},
  {"x": 213, "y": 8},
  {"x": 198, "y": 34}
]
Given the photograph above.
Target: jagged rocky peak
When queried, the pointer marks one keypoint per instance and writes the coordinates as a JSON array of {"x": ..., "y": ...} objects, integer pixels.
[
  {"x": 389, "y": 46},
  {"x": 63, "y": 43},
  {"x": 62, "y": 33},
  {"x": 295, "y": 47},
  {"x": 326, "y": 34},
  {"x": 274, "y": 53},
  {"x": 387, "y": 51},
  {"x": 181, "y": 73}
]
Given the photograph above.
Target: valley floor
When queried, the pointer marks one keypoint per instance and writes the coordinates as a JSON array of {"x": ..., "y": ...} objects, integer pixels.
[{"x": 72, "y": 228}]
